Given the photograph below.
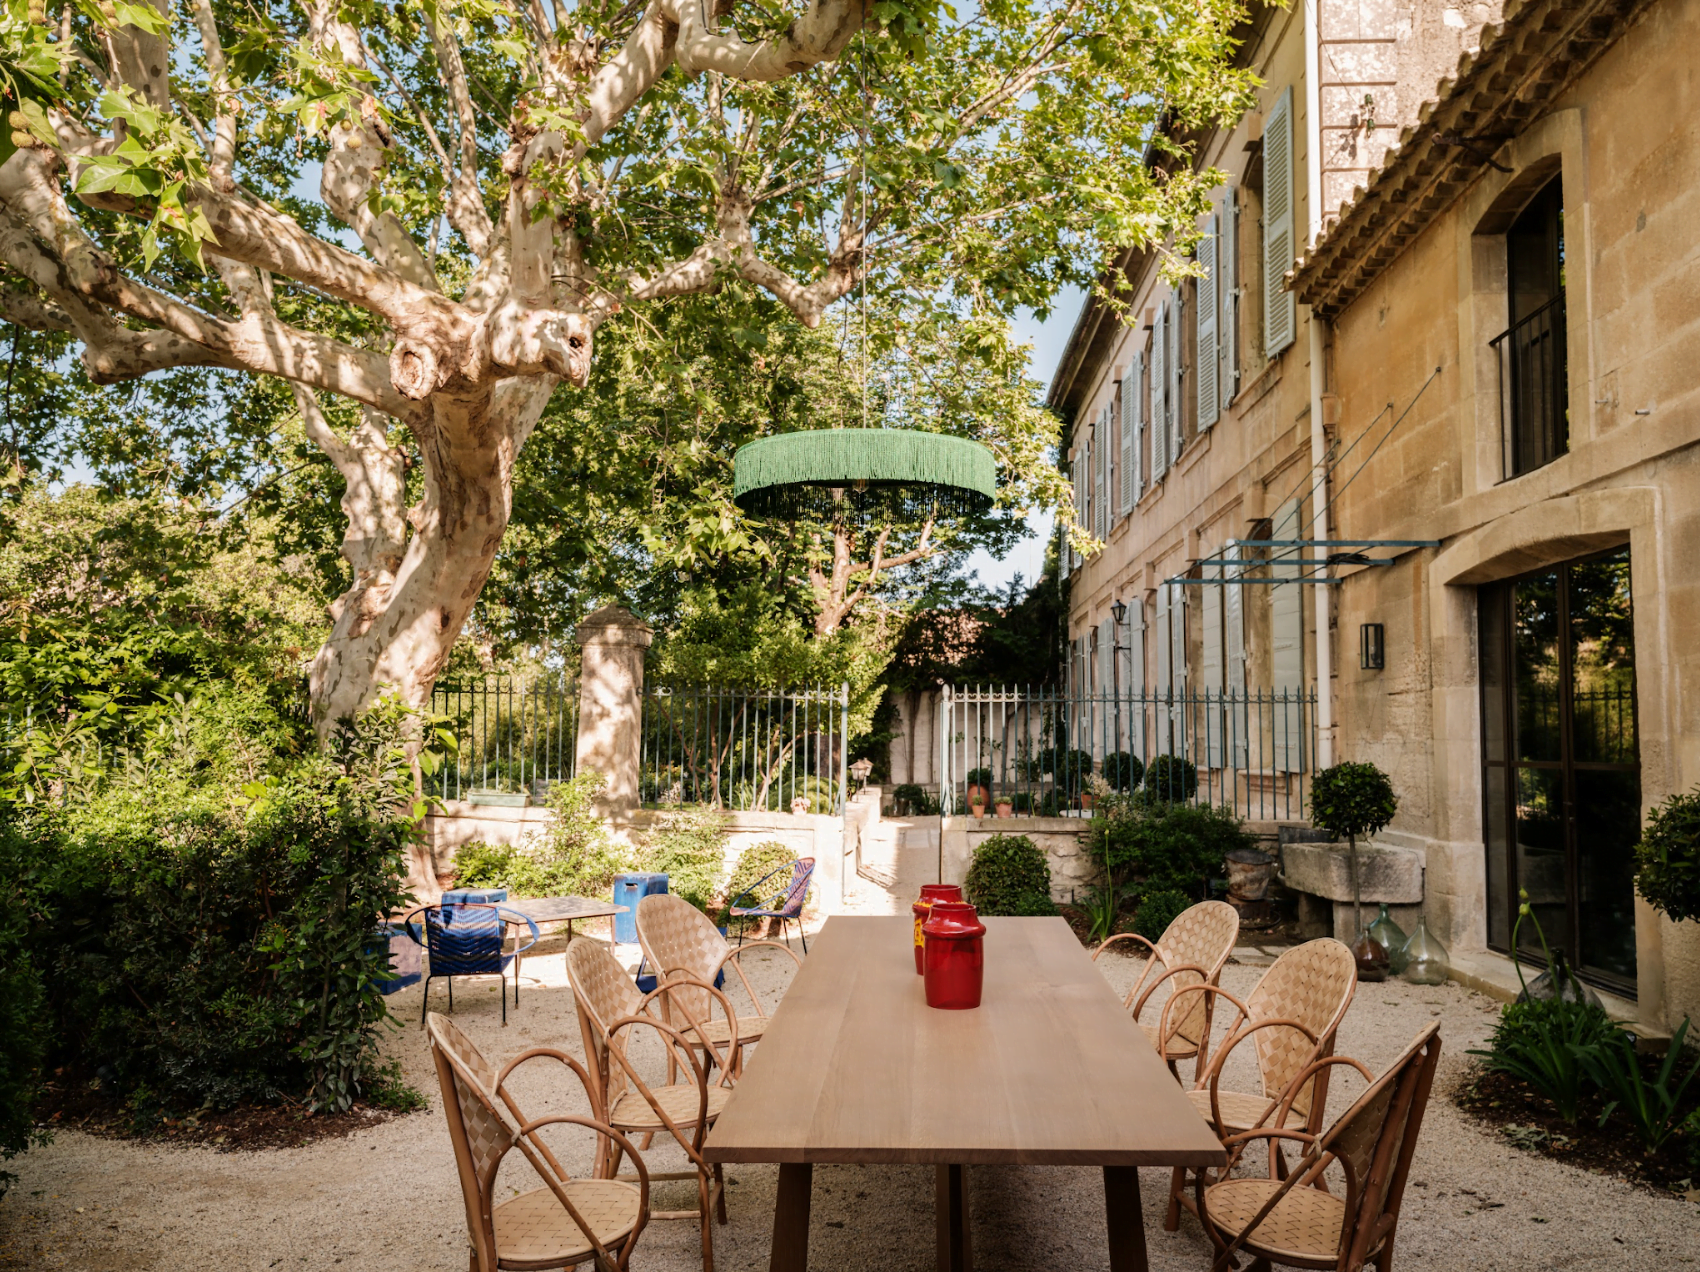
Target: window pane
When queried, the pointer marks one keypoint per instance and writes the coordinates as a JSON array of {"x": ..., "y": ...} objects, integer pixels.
[
  {"x": 1535, "y": 635},
  {"x": 1498, "y": 859},
  {"x": 1608, "y": 824},
  {"x": 1490, "y": 605},
  {"x": 1602, "y": 653},
  {"x": 1540, "y": 856}
]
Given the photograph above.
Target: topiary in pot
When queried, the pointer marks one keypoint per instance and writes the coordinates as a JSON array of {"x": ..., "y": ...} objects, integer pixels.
[
  {"x": 1171, "y": 779},
  {"x": 1122, "y": 771},
  {"x": 1353, "y": 799},
  {"x": 1010, "y": 875},
  {"x": 1667, "y": 860}
]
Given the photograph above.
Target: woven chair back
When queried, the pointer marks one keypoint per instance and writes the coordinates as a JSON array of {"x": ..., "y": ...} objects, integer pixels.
[
  {"x": 675, "y": 936},
  {"x": 463, "y": 940},
  {"x": 802, "y": 870},
  {"x": 478, "y": 1127},
  {"x": 1313, "y": 984},
  {"x": 604, "y": 994},
  {"x": 1375, "y": 1138},
  {"x": 1203, "y": 936}
]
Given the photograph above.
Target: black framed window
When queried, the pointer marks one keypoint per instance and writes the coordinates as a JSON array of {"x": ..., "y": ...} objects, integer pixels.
[
  {"x": 1561, "y": 762},
  {"x": 1533, "y": 367}
]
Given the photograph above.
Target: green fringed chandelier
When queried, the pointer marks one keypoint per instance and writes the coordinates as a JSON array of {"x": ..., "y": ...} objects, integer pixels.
[
  {"x": 857, "y": 476},
  {"x": 862, "y": 475}
]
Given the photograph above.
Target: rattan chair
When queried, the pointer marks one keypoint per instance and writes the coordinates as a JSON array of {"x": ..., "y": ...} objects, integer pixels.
[
  {"x": 1291, "y": 1017},
  {"x": 1192, "y": 951},
  {"x": 1289, "y": 1216},
  {"x": 610, "y": 1012},
  {"x": 564, "y": 1223},
  {"x": 677, "y": 938}
]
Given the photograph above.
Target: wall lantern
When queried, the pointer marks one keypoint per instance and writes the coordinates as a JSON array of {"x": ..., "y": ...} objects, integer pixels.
[
  {"x": 1118, "y": 610},
  {"x": 1372, "y": 646},
  {"x": 861, "y": 768}
]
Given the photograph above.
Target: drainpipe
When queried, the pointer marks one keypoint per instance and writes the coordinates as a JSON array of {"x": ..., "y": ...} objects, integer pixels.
[{"x": 1318, "y": 386}]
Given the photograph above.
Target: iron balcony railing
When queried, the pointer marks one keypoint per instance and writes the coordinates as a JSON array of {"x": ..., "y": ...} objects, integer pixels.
[
  {"x": 1534, "y": 389},
  {"x": 1247, "y": 750},
  {"x": 745, "y": 749},
  {"x": 513, "y": 733}
]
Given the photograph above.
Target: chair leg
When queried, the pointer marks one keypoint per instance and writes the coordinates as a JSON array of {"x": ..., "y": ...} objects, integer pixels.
[
  {"x": 804, "y": 933},
  {"x": 504, "y": 997},
  {"x": 785, "y": 932},
  {"x": 451, "y": 981},
  {"x": 425, "y": 1002}
]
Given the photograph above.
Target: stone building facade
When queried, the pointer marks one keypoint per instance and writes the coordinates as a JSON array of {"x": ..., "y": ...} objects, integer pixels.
[{"x": 1519, "y": 281}]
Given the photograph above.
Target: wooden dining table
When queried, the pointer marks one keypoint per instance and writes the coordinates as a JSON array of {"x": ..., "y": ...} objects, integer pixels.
[{"x": 1049, "y": 1070}]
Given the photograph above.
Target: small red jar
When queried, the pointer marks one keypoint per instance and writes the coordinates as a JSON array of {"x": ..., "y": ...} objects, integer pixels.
[
  {"x": 930, "y": 892},
  {"x": 955, "y": 956}
]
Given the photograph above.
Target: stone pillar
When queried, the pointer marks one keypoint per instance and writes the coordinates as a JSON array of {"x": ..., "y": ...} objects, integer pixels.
[{"x": 610, "y": 704}]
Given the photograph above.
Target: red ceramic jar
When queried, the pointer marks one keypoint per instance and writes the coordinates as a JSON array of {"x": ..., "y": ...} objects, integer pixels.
[
  {"x": 930, "y": 892},
  {"x": 955, "y": 956}
]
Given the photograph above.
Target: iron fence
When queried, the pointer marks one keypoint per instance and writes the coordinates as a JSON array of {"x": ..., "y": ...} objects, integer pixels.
[
  {"x": 745, "y": 749},
  {"x": 513, "y": 734},
  {"x": 1248, "y": 750},
  {"x": 1534, "y": 389}
]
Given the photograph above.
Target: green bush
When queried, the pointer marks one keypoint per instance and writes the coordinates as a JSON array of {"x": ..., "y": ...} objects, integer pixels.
[
  {"x": 981, "y": 777},
  {"x": 1352, "y": 799},
  {"x": 24, "y": 1024},
  {"x": 1168, "y": 847},
  {"x": 1171, "y": 779},
  {"x": 206, "y": 939},
  {"x": 753, "y": 863},
  {"x": 1542, "y": 1043},
  {"x": 1021, "y": 802},
  {"x": 1122, "y": 771},
  {"x": 1009, "y": 875},
  {"x": 689, "y": 846},
  {"x": 575, "y": 856},
  {"x": 1667, "y": 860},
  {"x": 911, "y": 800},
  {"x": 1159, "y": 909}
]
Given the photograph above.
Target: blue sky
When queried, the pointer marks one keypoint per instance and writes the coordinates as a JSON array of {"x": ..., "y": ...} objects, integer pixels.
[{"x": 1027, "y": 557}]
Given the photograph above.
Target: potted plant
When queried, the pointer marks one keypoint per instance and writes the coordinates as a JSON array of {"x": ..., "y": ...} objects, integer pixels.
[
  {"x": 979, "y": 782},
  {"x": 1005, "y": 805},
  {"x": 1353, "y": 799}
]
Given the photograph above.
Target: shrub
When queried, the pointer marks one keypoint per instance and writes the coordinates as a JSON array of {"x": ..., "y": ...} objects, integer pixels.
[
  {"x": 1171, "y": 779},
  {"x": 1009, "y": 875},
  {"x": 1667, "y": 860},
  {"x": 1541, "y": 1042},
  {"x": 23, "y": 1006},
  {"x": 1159, "y": 909},
  {"x": 223, "y": 949},
  {"x": 909, "y": 798},
  {"x": 689, "y": 846},
  {"x": 1122, "y": 771},
  {"x": 574, "y": 856},
  {"x": 753, "y": 863},
  {"x": 1169, "y": 847},
  {"x": 1021, "y": 802},
  {"x": 1653, "y": 1106},
  {"x": 981, "y": 777}
]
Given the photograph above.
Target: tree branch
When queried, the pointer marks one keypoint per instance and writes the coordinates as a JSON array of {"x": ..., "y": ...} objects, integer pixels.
[
  {"x": 466, "y": 200},
  {"x": 817, "y": 35}
]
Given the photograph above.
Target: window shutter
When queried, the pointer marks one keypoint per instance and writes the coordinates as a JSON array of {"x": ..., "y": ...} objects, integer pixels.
[
  {"x": 1233, "y": 631},
  {"x": 1106, "y": 657},
  {"x": 1286, "y": 623},
  {"x": 1280, "y": 312},
  {"x": 1098, "y": 449},
  {"x": 1136, "y": 377},
  {"x": 1164, "y": 649},
  {"x": 1130, "y": 428},
  {"x": 1207, "y": 380},
  {"x": 1228, "y": 302},
  {"x": 1159, "y": 393},
  {"x": 1177, "y": 375},
  {"x": 1134, "y": 683},
  {"x": 1210, "y": 665}
]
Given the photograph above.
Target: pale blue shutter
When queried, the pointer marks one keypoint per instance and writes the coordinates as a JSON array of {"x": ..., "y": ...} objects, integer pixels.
[
  {"x": 1135, "y": 687},
  {"x": 1228, "y": 301},
  {"x": 1286, "y": 624},
  {"x": 1280, "y": 312},
  {"x": 1159, "y": 394},
  {"x": 1233, "y": 625},
  {"x": 1129, "y": 431},
  {"x": 1177, "y": 375},
  {"x": 1209, "y": 714},
  {"x": 1207, "y": 383}
]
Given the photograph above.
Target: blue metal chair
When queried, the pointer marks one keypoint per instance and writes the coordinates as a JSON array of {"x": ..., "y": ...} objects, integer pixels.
[
  {"x": 782, "y": 905},
  {"x": 467, "y": 940}
]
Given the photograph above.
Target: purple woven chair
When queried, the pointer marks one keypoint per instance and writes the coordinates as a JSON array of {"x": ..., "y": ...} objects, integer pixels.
[{"x": 781, "y": 905}]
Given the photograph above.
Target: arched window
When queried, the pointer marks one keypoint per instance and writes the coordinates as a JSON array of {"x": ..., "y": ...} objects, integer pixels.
[{"x": 1534, "y": 390}]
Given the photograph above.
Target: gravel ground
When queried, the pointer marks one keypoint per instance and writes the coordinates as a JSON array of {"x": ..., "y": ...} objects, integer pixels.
[{"x": 387, "y": 1199}]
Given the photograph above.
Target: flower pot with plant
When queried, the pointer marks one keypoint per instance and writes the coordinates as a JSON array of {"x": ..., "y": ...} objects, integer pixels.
[
  {"x": 1353, "y": 799},
  {"x": 979, "y": 786},
  {"x": 1005, "y": 806}
]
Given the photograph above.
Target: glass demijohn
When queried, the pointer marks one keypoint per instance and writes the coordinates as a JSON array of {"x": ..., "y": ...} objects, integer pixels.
[
  {"x": 1425, "y": 957},
  {"x": 1391, "y": 937}
]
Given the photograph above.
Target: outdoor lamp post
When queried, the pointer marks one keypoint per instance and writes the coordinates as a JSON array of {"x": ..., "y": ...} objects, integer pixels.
[{"x": 860, "y": 770}]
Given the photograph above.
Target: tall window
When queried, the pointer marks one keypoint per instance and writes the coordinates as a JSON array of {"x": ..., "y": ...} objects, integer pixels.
[{"x": 1534, "y": 388}]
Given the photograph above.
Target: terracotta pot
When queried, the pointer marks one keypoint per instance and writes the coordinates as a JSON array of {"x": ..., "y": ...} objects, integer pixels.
[
  {"x": 977, "y": 795},
  {"x": 1087, "y": 798},
  {"x": 1005, "y": 808},
  {"x": 979, "y": 810}
]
